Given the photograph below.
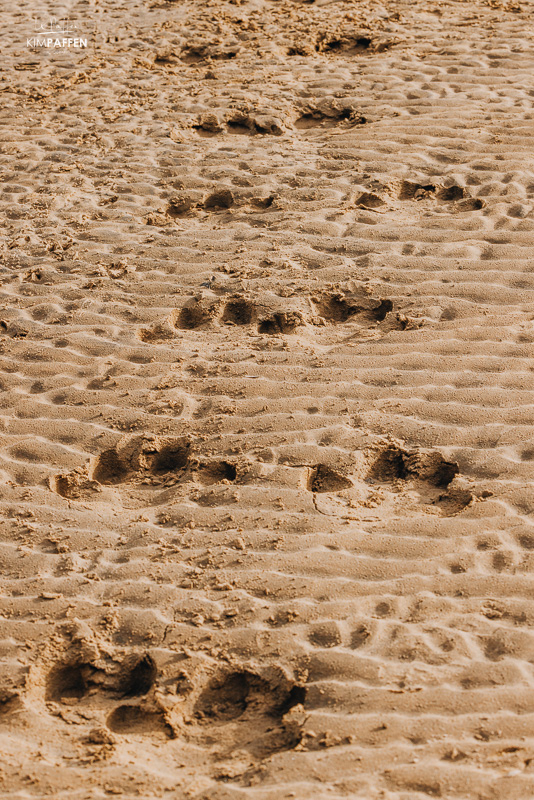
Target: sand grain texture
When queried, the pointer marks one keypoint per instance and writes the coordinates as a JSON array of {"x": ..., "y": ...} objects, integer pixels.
[{"x": 266, "y": 443}]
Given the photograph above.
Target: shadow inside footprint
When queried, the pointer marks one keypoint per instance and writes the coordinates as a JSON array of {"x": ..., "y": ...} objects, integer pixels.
[
  {"x": 67, "y": 682},
  {"x": 336, "y": 307},
  {"x": 139, "y": 678},
  {"x": 219, "y": 200},
  {"x": 194, "y": 314},
  {"x": 217, "y": 471},
  {"x": 230, "y": 695},
  {"x": 141, "y": 456},
  {"x": 109, "y": 468},
  {"x": 314, "y": 117},
  {"x": 133, "y": 720},
  {"x": 416, "y": 191},
  {"x": 345, "y": 44},
  {"x": 325, "y": 479},
  {"x": 239, "y": 312},
  {"x": 169, "y": 458},
  {"x": 281, "y": 322},
  {"x": 451, "y": 193},
  {"x": 394, "y": 463},
  {"x": 389, "y": 465}
]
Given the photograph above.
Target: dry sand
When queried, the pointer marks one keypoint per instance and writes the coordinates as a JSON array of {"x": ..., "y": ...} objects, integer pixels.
[{"x": 266, "y": 455}]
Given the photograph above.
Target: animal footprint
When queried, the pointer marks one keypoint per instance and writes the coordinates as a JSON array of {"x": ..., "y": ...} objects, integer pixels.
[
  {"x": 76, "y": 682},
  {"x": 67, "y": 682},
  {"x": 337, "y": 307},
  {"x": 252, "y": 124},
  {"x": 348, "y": 44},
  {"x": 329, "y": 114},
  {"x": 260, "y": 701},
  {"x": 223, "y": 198},
  {"x": 241, "y": 122},
  {"x": 281, "y": 322},
  {"x": 395, "y": 463},
  {"x": 197, "y": 313},
  {"x": 326, "y": 479},
  {"x": 132, "y": 720},
  {"x": 240, "y": 310},
  {"x": 210, "y": 472},
  {"x": 72, "y": 485},
  {"x": 416, "y": 191},
  {"x": 139, "y": 676},
  {"x": 423, "y": 470},
  {"x": 196, "y": 53},
  {"x": 449, "y": 194},
  {"x": 182, "y": 204},
  {"x": 133, "y": 458},
  {"x": 140, "y": 456},
  {"x": 72, "y": 679}
]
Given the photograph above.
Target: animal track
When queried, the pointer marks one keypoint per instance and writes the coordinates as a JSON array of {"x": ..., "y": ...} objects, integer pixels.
[
  {"x": 232, "y": 693},
  {"x": 223, "y": 198},
  {"x": 271, "y": 315},
  {"x": 141, "y": 456},
  {"x": 246, "y": 123},
  {"x": 216, "y": 471},
  {"x": 197, "y": 312},
  {"x": 337, "y": 307},
  {"x": 181, "y": 204},
  {"x": 281, "y": 322},
  {"x": 413, "y": 191},
  {"x": 416, "y": 191},
  {"x": 260, "y": 702},
  {"x": 133, "y": 458},
  {"x": 195, "y": 53},
  {"x": 395, "y": 463},
  {"x": 72, "y": 679},
  {"x": 349, "y": 44},
  {"x": 72, "y": 485},
  {"x": 136, "y": 720},
  {"x": 325, "y": 479},
  {"x": 239, "y": 311},
  {"x": 78, "y": 682},
  {"x": 327, "y": 115},
  {"x": 416, "y": 478},
  {"x": 209, "y": 124},
  {"x": 137, "y": 458},
  {"x": 67, "y": 682},
  {"x": 241, "y": 122},
  {"x": 256, "y": 710},
  {"x": 451, "y": 193},
  {"x": 448, "y": 194},
  {"x": 140, "y": 677},
  {"x": 426, "y": 471}
]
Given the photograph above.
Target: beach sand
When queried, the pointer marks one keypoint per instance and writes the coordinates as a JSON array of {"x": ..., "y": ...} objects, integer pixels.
[{"x": 266, "y": 444}]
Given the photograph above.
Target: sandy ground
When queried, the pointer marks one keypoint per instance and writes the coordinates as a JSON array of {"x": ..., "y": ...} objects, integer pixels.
[{"x": 266, "y": 444}]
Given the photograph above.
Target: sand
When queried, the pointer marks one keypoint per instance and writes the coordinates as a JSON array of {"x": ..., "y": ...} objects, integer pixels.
[{"x": 266, "y": 445}]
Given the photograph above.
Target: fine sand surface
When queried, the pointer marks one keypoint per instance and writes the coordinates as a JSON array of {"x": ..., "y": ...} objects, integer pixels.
[{"x": 267, "y": 389}]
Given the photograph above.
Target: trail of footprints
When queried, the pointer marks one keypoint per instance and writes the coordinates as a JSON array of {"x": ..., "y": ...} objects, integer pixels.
[
  {"x": 395, "y": 619},
  {"x": 421, "y": 478},
  {"x": 139, "y": 695},
  {"x": 272, "y": 315}
]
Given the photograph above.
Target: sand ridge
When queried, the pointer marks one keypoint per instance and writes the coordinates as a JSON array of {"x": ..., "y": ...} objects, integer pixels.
[{"x": 266, "y": 337}]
